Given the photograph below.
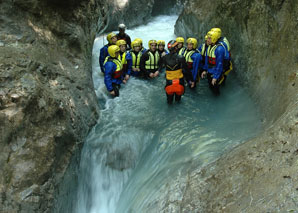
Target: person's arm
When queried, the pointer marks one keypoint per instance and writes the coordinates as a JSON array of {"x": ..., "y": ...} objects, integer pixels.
[
  {"x": 110, "y": 67},
  {"x": 196, "y": 57},
  {"x": 129, "y": 63},
  {"x": 128, "y": 41},
  {"x": 102, "y": 57},
  {"x": 219, "y": 53},
  {"x": 161, "y": 64},
  {"x": 143, "y": 60}
]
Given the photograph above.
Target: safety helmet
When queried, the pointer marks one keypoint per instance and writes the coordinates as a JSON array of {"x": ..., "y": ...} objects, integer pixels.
[
  {"x": 122, "y": 26},
  {"x": 161, "y": 42},
  {"x": 218, "y": 30},
  {"x": 206, "y": 37},
  {"x": 214, "y": 36},
  {"x": 152, "y": 42},
  {"x": 180, "y": 39},
  {"x": 192, "y": 41},
  {"x": 110, "y": 36},
  {"x": 139, "y": 40},
  {"x": 121, "y": 42},
  {"x": 135, "y": 44},
  {"x": 112, "y": 50},
  {"x": 171, "y": 45}
]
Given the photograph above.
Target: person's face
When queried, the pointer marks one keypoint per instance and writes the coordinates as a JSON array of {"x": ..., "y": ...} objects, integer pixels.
[
  {"x": 180, "y": 45},
  {"x": 114, "y": 40},
  {"x": 117, "y": 54},
  {"x": 153, "y": 47},
  {"x": 189, "y": 46},
  {"x": 121, "y": 31},
  {"x": 123, "y": 48},
  {"x": 209, "y": 41},
  {"x": 137, "y": 48},
  {"x": 161, "y": 47}
]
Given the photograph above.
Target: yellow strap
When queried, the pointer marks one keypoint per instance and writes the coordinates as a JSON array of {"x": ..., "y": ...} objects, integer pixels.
[{"x": 176, "y": 74}]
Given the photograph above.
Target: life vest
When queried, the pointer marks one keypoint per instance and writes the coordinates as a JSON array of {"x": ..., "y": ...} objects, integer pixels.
[
  {"x": 118, "y": 72},
  {"x": 175, "y": 87},
  {"x": 123, "y": 60},
  {"x": 225, "y": 40},
  {"x": 175, "y": 74},
  {"x": 203, "y": 52},
  {"x": 187, "y": 55},
  {"x": 181, "y": 51},
  {"x": 211, "y": 54},
  {"x": 152, "y": 62},
  {"x": 136, "y": 59}
]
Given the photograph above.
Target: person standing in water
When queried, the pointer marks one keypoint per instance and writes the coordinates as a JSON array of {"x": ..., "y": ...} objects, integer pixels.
[
  {"x": 123, "y": 36},
  {"x": 176, "y": 71}
]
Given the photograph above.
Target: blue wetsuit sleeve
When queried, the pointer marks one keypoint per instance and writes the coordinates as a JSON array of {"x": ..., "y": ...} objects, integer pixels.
[
  {"x": 129, "y": 63},
  {"x": 102, "y": 56},
  {"x": 196, "y": 57},
  {"x": 220, "y": 54},
  {"x": 109, "y": 67}
]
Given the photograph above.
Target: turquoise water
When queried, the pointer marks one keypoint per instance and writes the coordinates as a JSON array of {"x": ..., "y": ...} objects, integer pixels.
[{"x": 140, "y": 143}]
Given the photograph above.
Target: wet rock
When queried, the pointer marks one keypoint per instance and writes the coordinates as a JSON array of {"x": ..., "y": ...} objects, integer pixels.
[{"x": 261, "y": 174}]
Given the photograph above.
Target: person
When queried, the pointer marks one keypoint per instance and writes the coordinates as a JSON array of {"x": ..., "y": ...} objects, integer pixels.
[
  {"x": 149, "y": 63},
  {"x": 143, "y": 50},
  {"x": 135, "y": 54},
  {"x": 193, "y": 57},
  {"x": 113, "y": 71},
  {"x": 176, "y": 71},
  {"x": 181, "y": 48},
  {"x": 161, "y": 48},
  {"x": 215, "y": 53},
  {"x": 123, "y": 36},
  {"x": 112, "y": 39},
  {"x": 203, "y": 51},
  {"x": 227, "y": 64},
  {"x": 125, "y": 59}
]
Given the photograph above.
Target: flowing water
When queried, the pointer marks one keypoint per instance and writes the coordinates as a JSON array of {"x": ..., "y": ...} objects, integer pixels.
[{"x": 140, "y": 142}]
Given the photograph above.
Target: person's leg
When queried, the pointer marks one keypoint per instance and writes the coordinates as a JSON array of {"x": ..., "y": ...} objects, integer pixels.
[
  {"x": 214, "y": 88},
  {"x": 116, "y": 88},
  {"x": 170, "y": 98},
  {"x": 177, "y": 98}
]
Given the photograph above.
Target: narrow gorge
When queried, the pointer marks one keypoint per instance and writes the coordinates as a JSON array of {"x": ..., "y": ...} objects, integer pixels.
[{"x": 48, "y": 104}]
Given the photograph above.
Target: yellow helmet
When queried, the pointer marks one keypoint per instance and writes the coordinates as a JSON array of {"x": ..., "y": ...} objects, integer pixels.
[
  {"x": 112, "y": 50},
  {"x": 192, "y": 41},
  {"x": 152, "y": 42},
  {"x": 120, "y": 42},
  {"x": 110, "y": 36},
  {"x": 214, "y": 36},
  {"x": 180, "y": 39},
  {"x": 218, "y": 30},
  {"x": 161, "y": 42},
  {"x": 206, "y": 37},
  {"x": 135, "y": 44},
  {"x": 139, "y": 40}
]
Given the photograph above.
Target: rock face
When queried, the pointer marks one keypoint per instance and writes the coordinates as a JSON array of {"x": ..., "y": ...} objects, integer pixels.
[
  {"x": 261, "y": 174},
  {"x": 47, "y": 100}
]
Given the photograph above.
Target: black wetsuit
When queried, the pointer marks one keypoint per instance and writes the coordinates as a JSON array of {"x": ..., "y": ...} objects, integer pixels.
[
  {"x": 126, "y": 38},
  {"x": 174, "y": 62}
]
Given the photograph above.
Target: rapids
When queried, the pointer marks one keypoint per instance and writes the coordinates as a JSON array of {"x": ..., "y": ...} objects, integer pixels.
[{"x": 140, "y": 142}]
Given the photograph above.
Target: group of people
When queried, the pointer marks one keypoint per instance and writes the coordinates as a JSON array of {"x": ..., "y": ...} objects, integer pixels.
[{"x": 184, "y": 65}]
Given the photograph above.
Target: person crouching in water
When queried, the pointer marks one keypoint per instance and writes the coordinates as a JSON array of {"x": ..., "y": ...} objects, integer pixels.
[
  {"x": 176, "y": 71},
  {"x": 150, "y": 61},
  {"x": 125, "y": 59},
  {"x": 135, "y": 54},
  {"x": 161, "y": 48},
  {"x": 113, "y": 71},
  {"x": 193, "y": 58}
]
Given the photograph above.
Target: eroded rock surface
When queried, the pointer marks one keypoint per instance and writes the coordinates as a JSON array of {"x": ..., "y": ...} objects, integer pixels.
[{"x": 47, "y": 101}]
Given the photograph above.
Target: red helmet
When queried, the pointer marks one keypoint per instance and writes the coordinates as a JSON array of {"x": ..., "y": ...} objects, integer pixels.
[{"x": 172, "y": 44}]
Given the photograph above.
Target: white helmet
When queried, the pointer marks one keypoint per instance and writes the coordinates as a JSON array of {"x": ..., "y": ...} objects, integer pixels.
[{"x": 122, "y": 26}]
